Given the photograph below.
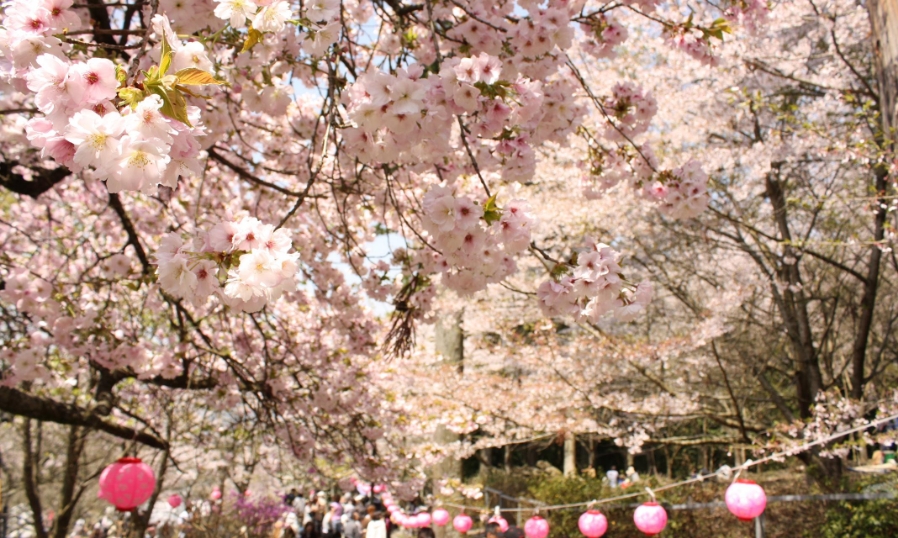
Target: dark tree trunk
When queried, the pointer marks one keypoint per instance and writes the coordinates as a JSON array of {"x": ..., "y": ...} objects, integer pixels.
[
  {"x": 884, "y": 27},
  {"x": 69, "y": 497},
  {"x": 29, "y": 481}
]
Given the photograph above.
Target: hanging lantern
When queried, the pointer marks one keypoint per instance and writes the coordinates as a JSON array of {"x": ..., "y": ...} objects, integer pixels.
[
  {"x": 536, "y": 527},
  {"x": 216, "y": 494},
  {"x": 745, "y": 499},
  {"x": 650, "y": 518},
  {"x": 392, "y": 509},
  {"x": 501, "y": 521},
  {"x": 127, "y": 484},
  {"x": 379, "y": 488},
  {"x": 175, "y": 500},
  {"x": 423, "y": 519},
  {"x": 440, "y": 517},
  {"x": 593, "y": 524},
  {"x": 462, "y": 523}
]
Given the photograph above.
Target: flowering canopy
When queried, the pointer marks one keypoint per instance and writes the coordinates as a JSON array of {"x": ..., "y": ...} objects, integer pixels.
[{"x": 193, "y": 187}]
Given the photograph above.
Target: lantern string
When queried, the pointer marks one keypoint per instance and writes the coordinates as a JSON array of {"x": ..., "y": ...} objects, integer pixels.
[
  {"x": 739, "y": 468},
  {"x": 650, "y": 492},
  {"x": 739, "y": 471}
]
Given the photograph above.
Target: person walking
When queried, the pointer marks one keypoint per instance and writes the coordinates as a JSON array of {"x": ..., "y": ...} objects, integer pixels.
[
  {"x": 612, "y": 475},
  {"x": 353, "y": 527},
  {"x": 377, "y": 528}
]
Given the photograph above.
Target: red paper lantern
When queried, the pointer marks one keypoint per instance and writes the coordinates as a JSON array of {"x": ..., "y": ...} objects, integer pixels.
[
  {"x": 593, "y": 524},
  {"x": 650, "y": 518},
  {"x": 501, "y": 521},
  {"x": 536, "y": 527},
  {"x": 745, "y": 499},
  {"x": 127, "y": 484},
  {"x": 440, "y": 517},
  {"x": 175, "y": 500},
  {"x": 462, "y": 523}
]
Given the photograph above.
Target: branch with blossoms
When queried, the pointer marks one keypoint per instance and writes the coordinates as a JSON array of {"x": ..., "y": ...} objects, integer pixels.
[{"x": 252, "y": 150}]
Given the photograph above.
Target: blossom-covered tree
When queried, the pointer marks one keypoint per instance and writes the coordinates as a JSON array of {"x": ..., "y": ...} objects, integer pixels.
[
  {"x": 763, "y": 302},
  {"x": 194, "y": 190}
]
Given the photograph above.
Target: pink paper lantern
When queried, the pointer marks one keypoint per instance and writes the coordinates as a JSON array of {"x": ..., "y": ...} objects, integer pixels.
[
  {"x": 215, "y": 495},
  {"x": 593, "y": 524},
  {"x": 392, "y": 509},
  {"x": 127, "y": 484},
  {"x": 501, "y": 521},
  {"x": 423, "y": 519},
  {"x": 175, "y": 500},
  {"x": 440, "y": 517},
  {"x": 536, "y": 527},
  {"x": 745, "y": 499},
  {"x": 650, "y": 518},
  {"x": 379, "y": 488},
  {"x": 462, "y": 523}
]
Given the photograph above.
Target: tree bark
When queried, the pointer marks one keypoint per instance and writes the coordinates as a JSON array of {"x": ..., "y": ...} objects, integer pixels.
[
  {"x": 884, "y": 27},
  {"x": 69, "y": 497},
  {"x": 570, "y": 454},
  {"x": 28, "y": 405},
  {"x": 29, "y": 482},
  {"x": 449, "y": 342},
  {"x": 793, "y": 306}
]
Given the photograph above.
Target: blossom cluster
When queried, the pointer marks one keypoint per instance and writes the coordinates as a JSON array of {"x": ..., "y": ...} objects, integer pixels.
[
  {"x": 245, "y": 263},
  {"x": 272, "y": 17},
  {"x": 131, "y": 149},
  {"x": 404, "y": 116},
  {"x": 684, "y": 194},
  {"x": 631, "y": 111},
  {"x": 28, "y": 32},
  {"x": 476, "y": 247},
  {"x": 593, "y": 288},
  {"x": 681, "y": 193},
  {"x": 604, "y": 33},
  {"x": 696, "y": 46}
]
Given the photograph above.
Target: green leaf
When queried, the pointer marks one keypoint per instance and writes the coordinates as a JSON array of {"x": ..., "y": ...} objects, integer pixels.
[
  {"x": 131, "y": 96},
  {"x": 121, "y": 75},
  {"x": 165, "y": 61},
  {"x": 253, "y": 36},
  {"x": 179, "y": 106},
  {"x": 491, "y": 212},
  {"x": 191, "y": 76},
  {"x": 173, "y": 104}
]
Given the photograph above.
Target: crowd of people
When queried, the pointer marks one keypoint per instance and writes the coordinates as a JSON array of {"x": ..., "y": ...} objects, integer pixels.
[
  {"x": 352, "y": 517},
  {"x": 297, "y": 516}
]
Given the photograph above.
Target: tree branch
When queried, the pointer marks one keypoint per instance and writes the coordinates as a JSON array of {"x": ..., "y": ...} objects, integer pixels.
[{"x": 28, "y": 405}]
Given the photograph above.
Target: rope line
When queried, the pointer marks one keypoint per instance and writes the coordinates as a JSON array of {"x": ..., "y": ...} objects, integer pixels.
[{"x": 738, "y": 469}]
